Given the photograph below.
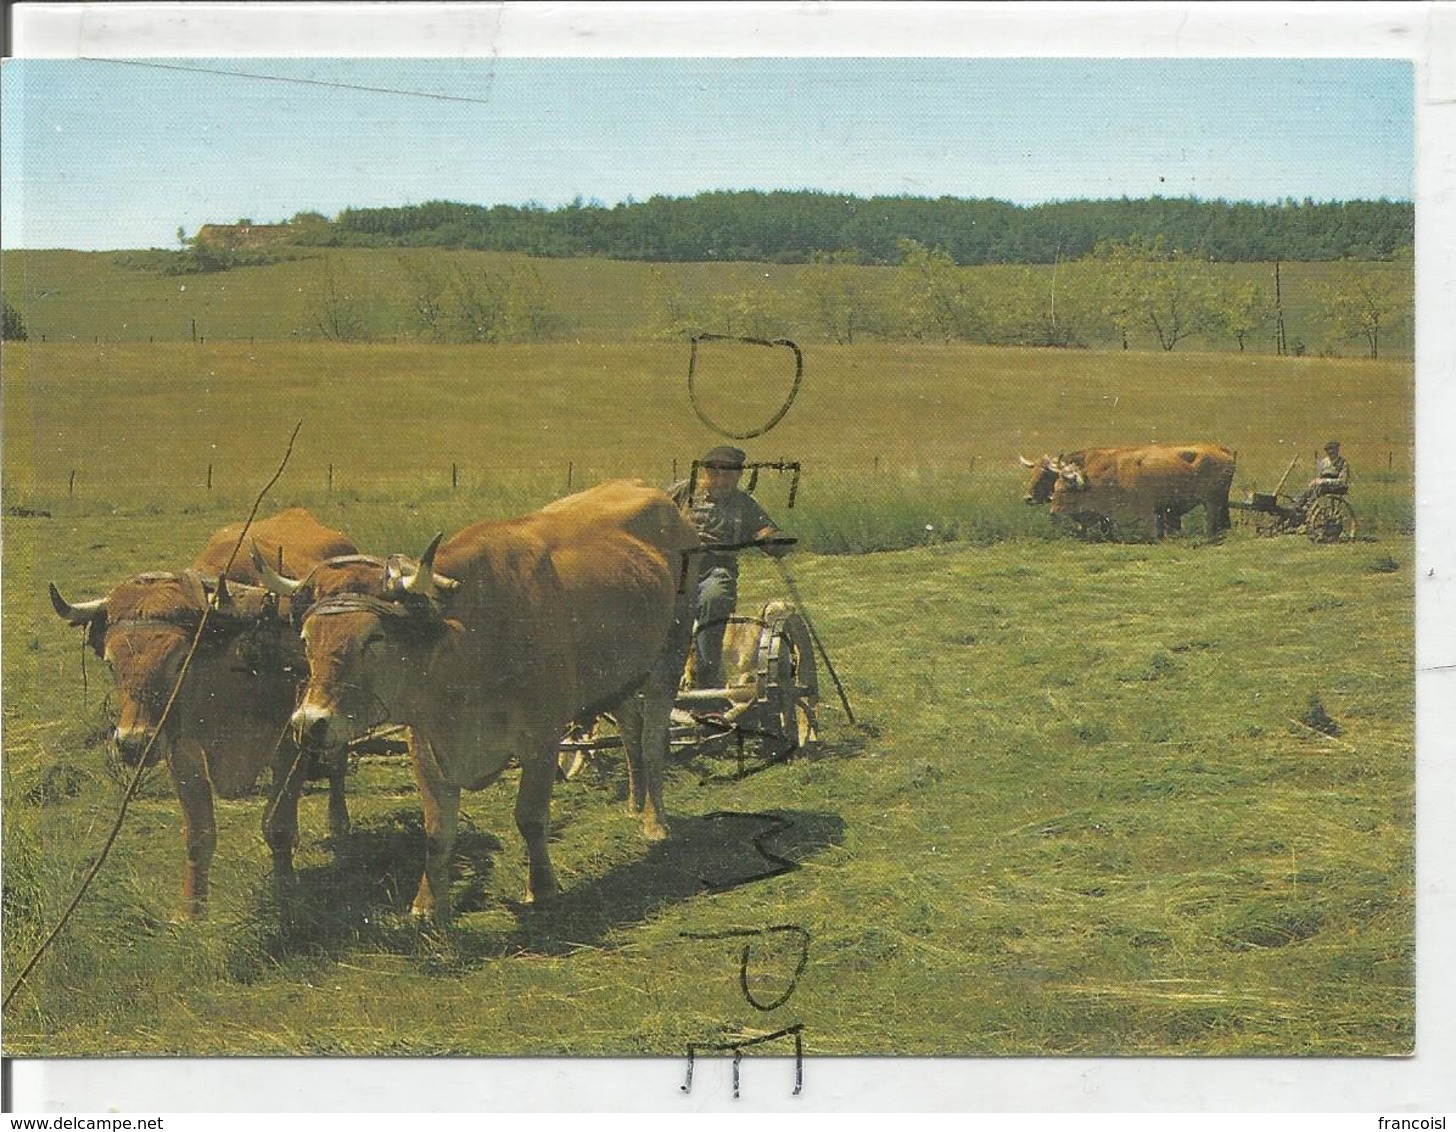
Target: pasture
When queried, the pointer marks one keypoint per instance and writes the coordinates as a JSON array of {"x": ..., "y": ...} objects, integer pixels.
[
  {"x": 71, "y": 296},
  {"x": 1084, "y": 811}
]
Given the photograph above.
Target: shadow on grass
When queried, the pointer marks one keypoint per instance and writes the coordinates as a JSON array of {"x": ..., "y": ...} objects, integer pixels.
[
  {"x": 361, "y": 900},
  {"x": 720, "y": 762},
  {"x": 357, "y": 899},
  {"x": 706, "y": 855}
]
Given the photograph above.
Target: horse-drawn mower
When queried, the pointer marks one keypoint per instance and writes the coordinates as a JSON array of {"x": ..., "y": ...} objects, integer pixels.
[
  {"x": 1326, "y": 518},
  {"x": 768, "y": 702}
]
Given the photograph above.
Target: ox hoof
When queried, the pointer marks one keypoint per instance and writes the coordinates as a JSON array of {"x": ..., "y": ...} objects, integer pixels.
[{"x": 655, "y": 831}]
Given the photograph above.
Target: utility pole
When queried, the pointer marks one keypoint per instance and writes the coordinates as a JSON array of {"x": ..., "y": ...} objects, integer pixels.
[{"x": 1280, "y": 347}]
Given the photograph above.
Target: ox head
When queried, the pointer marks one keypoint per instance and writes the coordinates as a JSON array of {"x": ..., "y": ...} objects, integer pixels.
[
  {"x": 1047, "y": 473},
  {"x": 143, "y": 630},
  {"x": 370, "y": 629},
  {"x": 1043, "y": 479},
  {"x": 1068, "y": 497}
]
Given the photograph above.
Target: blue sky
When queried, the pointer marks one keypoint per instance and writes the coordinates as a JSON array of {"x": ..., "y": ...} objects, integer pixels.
[{"x": 111, "y": 154}]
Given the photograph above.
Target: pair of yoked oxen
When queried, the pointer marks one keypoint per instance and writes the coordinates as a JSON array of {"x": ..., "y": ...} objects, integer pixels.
[
  {"x": 1145, "y": 490},
  {"x": 487, "y": 647}
]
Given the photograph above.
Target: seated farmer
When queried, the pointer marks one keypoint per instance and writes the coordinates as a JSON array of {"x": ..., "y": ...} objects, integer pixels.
[
  {"x": 1332, "y": 477},
  {"x": 724, "y": 517}
]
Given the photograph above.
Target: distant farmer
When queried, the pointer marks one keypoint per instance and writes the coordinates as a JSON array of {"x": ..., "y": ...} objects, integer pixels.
[
  {"x": 725, "y": 518},
  {"x": 1332, "y": 477}
]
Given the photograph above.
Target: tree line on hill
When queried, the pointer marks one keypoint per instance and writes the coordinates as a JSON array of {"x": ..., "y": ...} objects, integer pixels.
[{"x": 795, "y": 227}]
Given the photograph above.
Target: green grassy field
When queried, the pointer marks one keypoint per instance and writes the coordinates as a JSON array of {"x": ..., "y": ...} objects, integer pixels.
[
  {"x": 891, "y": 437},
  {"x": 1081, "y": 813}
]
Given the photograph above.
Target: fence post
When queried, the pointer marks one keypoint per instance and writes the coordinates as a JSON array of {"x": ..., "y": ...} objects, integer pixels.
[
  {"x": 209, "y": 477},
  {"x": 569, "y": 468},
  {"x": 71, "y": 485},
  {"x": 329, "y": 482}
]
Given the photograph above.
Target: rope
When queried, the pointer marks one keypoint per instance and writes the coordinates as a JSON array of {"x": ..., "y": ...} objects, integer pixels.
[{"x": 151, "y": 743}]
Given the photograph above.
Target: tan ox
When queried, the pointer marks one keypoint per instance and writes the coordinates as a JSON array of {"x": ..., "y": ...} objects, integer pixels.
[
  {"x": 530, "y": 624},
  {"x": 1139, "y": 490},
  {"x": 1046, "y": 471},
  {"x": 232, "y": 713}
]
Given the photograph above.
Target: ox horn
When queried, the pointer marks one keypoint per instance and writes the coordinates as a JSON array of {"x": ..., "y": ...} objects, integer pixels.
[
  {"x": 1025, "y": 463},
  {"x": 424, "y": 582},
  {"x": 82, "y": 613},
  {"x": 273, "y": 581}
]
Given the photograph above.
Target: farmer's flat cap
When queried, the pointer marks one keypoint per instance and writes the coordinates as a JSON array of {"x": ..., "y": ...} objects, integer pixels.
[
  {"x": 726, "y": 457},
  {"x": 1332, "y": 445}
]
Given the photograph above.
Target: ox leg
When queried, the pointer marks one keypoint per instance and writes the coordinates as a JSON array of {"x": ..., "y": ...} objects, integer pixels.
[
  {"x": 533, "y": 819},
  {"x": 656, "y": 712},
  {"x": 441, "y": 803},
  {"x": 1217, "y": 510},
  {"x": 199, "y": 828},
  {"x": 629, "y": 723},
  {"x": 644, "y": 724},
  {"x": 280, "y": 818},
  {"x": 338, "y": 805},
  {"x": 651, "y": 712}
]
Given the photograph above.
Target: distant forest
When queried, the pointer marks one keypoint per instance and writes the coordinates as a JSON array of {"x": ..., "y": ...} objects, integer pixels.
[{"x": 802, "y": 227}]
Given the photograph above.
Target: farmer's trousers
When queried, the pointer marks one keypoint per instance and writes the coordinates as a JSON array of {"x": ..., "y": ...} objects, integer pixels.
[{"x": 717, "y": 599}]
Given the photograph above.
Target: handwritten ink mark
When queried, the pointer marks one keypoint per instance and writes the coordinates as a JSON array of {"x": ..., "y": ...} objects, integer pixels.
[
  {"x": 751, "y": 934},
  {"x": 782, "y": 409},
  {"x": 737, "y": 1048},
  {"x": 781, "y": 865}
]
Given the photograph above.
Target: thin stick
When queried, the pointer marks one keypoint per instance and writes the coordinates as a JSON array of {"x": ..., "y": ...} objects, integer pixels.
[
  {"x": 1285, "y": 476},
  {"x": 814, "y": 636},
  {"x": 151, "y": 743}
]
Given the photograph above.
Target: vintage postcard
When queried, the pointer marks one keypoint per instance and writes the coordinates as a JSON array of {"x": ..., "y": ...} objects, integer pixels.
[{"x": 726, "y": 554}]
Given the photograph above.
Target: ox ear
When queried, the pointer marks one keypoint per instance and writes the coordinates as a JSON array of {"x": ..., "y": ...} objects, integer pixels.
[
  {"x": 394, "y": 574},
  {"x": 82, "y": 613},
  {"x": 273, "y": 581},
  {"x": 221, "y": 599}
]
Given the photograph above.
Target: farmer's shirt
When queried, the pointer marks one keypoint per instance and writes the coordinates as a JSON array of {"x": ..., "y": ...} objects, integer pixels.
[
  {"x": 1333, "y": 469},
  {"x": 730, "y": 521}
]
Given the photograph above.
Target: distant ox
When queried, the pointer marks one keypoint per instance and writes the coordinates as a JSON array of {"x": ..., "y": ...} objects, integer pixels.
[
  {"x": 231, "y": 714},
  {"x": 1136, "y": 490},
  {"x": 531, "y": 623}
]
